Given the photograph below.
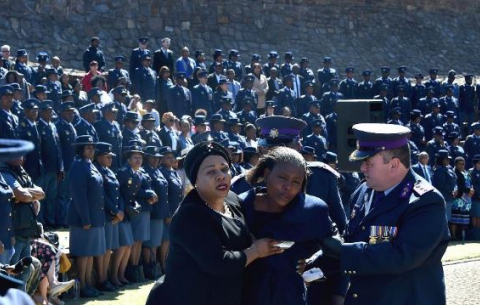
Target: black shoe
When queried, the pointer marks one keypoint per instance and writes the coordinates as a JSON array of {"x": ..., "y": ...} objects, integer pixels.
[
  {"x": 88, "y": 293},
  {"x": 98, "y": 292},
  {"x": 114, "y": 287},
  {"x": 105, "y": 286}
]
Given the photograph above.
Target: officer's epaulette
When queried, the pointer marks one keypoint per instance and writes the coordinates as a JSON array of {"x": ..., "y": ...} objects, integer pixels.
[
  {"x": 324, "y": 166},
  {"x": 422, "y": 187},
  {"x": 238, "y": 177}
]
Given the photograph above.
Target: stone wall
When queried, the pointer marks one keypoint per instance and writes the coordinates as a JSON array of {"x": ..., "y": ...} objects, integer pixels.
[{"x": 365, "y": 33}]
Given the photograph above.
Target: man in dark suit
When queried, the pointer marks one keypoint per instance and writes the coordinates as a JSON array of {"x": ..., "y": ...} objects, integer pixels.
[
  {"x": 164, "y": 57},
  {"x": 169, "y": 136},
  {"x": 214, "y": 78},
  {"x": 274, "y": 84},
  {"x": 422, "y": 168}
]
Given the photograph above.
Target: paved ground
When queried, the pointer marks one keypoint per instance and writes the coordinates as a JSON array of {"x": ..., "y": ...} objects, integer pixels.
[{"x": 463, "y": 283}]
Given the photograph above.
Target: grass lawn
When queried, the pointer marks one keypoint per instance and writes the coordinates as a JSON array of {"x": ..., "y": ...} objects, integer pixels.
[{"x": 137, "y": 294}]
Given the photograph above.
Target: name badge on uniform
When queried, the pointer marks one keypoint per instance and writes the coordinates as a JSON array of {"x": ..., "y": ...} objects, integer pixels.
[{"x": 380, "y": 234}]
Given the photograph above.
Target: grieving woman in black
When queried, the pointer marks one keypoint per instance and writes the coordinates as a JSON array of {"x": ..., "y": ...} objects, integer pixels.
[{"x": 210, "y": 244}]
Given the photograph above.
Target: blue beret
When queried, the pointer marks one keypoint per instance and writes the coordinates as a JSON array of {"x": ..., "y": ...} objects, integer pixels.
[{"x": 374, "y": 138}]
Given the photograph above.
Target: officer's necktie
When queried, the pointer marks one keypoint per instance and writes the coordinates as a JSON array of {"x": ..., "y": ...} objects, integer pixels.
[{"x": 377, "y": 197}]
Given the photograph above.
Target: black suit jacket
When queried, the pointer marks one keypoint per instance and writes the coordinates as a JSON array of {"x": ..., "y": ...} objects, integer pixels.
[
  {"x": 166, "y": 140},
  {"x": 271, "y": 88},
  {"x": 212, "y": 81},
  {"x": 159, "y": 60}
]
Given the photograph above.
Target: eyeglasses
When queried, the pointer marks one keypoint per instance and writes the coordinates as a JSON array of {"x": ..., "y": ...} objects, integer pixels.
[{"x": 171, "y": 120}]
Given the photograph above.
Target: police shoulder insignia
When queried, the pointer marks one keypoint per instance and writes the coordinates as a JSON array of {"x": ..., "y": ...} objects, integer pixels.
[{"x": 421, "y": 187}]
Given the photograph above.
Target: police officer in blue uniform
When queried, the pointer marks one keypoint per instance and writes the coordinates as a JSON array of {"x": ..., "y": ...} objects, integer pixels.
[
  {"x": 245, "y": 92},
  {"x": 431, "y": 120},
  {"x": 435, "y": 144},
  {"x": 425, "y": 103},
  {"x": 418, "y": 90},
  {"x": 137, "y": 55},
  {"x": 28, "y": 131},
  {"x": 235, "y": 127},
  {"x": 218, "y": 57},
  {"x": 467, "y": 101},
  {"x": 179, "y": 98},
  {"x": 434, "y": 83},
  {"x": 119, "y": 99},
  {"x": 305, "y": 100},
  {"x": 16, "y": 100},
  {"x": 85, "y": 124},
  {"x": 445, "y": 179},
  {"x": 326, "y": 73},
  {"x": 130, "y": 130},
  {"x": 312, "y": 115},
  {"x": 234, "y": 64},
  {"x": 148, "y": 132},
  {"x": 472, "y": 144},
  {"x": 331, "y": 121},
  {"x": 225, "y": 111},
  {"x": 200, "y": 122},
  {"x": 316, "y": 140},
  {"x": 118, "y": 72},
  {"x": 417, "y": 131},
  {"x": 395, "y": 116},
  {"x": 93, "y": 53},
  {"x": 109, "y": 131},
  {"x": 286, "y": 96},
  {"x": 145, "y": 79},
  {"x": 8, "y": 121},
  {"x": 401, "y": 80},
  {"x": 52, "y": 160},
  {"x": 403, "y": 102},
  {"x": 305, "y": 71},
  {"x": 202, "y": 94},
  {"x": 364, "y": 88},
  {"x": 454, "y": 148},
  {"x": 385, "y": 101},
  {"x": 272, "y": 63},
  {"x": 54, "y": 88},
  {"x": 38, "y": 72},
  {"x": 21, "y": 65},
  {"x": 450, "y": 126},
  {"x": 330, "y": 98},
  {"x": 247, "y": 115},
  {"x": 384, "y": 80},
  {"x": 217, "y": 133},
  {"x": 449, "y": 102},
  {"x": 286, "y": 67},
  {"x": 349, "y": 84},
  {"x": 383, "y": 240}
]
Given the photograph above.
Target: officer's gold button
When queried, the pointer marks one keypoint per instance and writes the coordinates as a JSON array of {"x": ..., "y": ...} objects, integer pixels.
[
  {"x": 355, "y": 296},
  {"x": 346, "y": 272},
  {"x": 353, "y": 272},
  {"x": 8, "y": 229}
]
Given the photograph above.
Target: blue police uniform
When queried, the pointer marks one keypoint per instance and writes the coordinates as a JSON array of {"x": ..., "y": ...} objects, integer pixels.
[
  {"x": 379, "y": 82},
  {"x": 151, "y": 138},
  {"x": 386, "y": 106},
  {"x": 161, "y": 209},
  {"x": 405, "y": 107},
  {"x": 466, "y": 102},
  {"x": 433, "y": 147},
  {"x": 305, "y": 223},
  {"x": 8, "y": 125},
  {"x": 247, "y": 117},
  {"x": 307, "y": 74},
  {"x": 85, "y": 128},
  {"x": 431, "y": 121},
  {"x": 178, "y": 101},
  {"x": 329, "y": 100},
  {"x": 418, "y": 135},
  {"x": 237, "y": 67},
  {"x": 67, "y": 135},
  {"x": 55, "y": 93},
  {"x": 6, "y": 225},
  {"x": 33, "y": 162},
  {"x": 436, "y": 85},
  {"x": 136, "y": 59},
  {"x": 331, "y": 121},
  {"x": 145, "y": 83},
  {"x": 347, "y": 87},
  {"x": 418, "y": 91},
  {"x": 238, "y": 139},
  {"x": 472, "y": 148},
  {"x": 449, "y": 103},
  {"x": 110, "y": 132},
  {"x": 445, "y": 180},
  {"x": 349, "y": 181},
  {"x": 304, "y": 104},
  {"x": 115, "y": 74},
  {"x": 268, "y": 66},
  {"x": 241, "y": 95},
  {"x": 364, "y": 90},
  {"x": 425, "y": 104},
  {"x": 402, "y": 81},
  {"x": 456, "y": 151},
  {"x": 202, "y": 98},
  {"x": 449, "y": 127},
  {"x": 309, "y": 117},
  {"x": 227, "y": 115},
  {"x": 130, "y": 135},
  {"x": 175, "y": 192},
  {"x": 286, "y": 98},
  {"x": 26, "y": 70},
  {"x": 326, "y": 74},
  {"x": 318, "y": 142},
  {"x": 93, "y": 54}
]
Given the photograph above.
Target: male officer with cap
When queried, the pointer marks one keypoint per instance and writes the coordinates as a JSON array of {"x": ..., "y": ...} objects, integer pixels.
[
  {"x": 8, "y": 121},
  {"x": 137, "y": 55},
  {"x": 432, "y": 120},
  {"x": 179, "y": 98},
  {"x": 364, "y": 88},
  {"x": 450, "y": 126},
  {"x": 164, "y": 57},
  {"x": 246, "y": 92},
  {"x": 109, "y": 131},
  {"x": 28, "y": 131},
  {"x": 435, "y": 144},
  {"x": 119, "y": 99},
  {"x": 52, "y": 160},
  {"x": 118, "y": 72},
  {"x": 247, "y": 115},
  {"x": 387, "y": 238},
  {"x": 326, "y": 73},
  {"x": 272, "y": 63},
  {"x": 39, "y": 72},
  {"x": 54, "y": 88},
  {"x": 383, "y": 80},
  {"x": 145, "y": 79},
  {"x": 218, "y": 57},
  {"x": 450, "y": 82},
  {"x": 234, "y": 64},
  {"x": 403, "y": 102},
  {"x": 312, "y": 115},
  {"x": 349, "y": 84},
  {"x": 433, "y": 82},
  {"x": 286, "y": 67},
  {"x": 305, "y": 71},
  {"x": 417, "y": 131},
  {"x": 449, "y": 102},
  {"x": 330, "y": 98},
  {"x": 286, "y": 96},
  {"x": 303, "y": 103},
  {"x": 425, "y": 103},
  {"x": 401, "y": 80},
  {"x": 85, "y": 124},
  {"x": 92, "y": 53},
  {"x": 466, "y": 99},
  {"x": 148, "y": 132},
  {"x": 472, "y": 144},
  {"x": 202, "y": 94},
  {"x": 418, "y": 90},
  {"x": 395, "y": 116},
  {"x": 316, "y": 139},
  {"x": 386, "y": 102}
]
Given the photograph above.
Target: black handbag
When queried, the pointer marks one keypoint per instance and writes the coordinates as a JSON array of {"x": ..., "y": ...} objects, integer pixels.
[{"x": 135, "y": 210}]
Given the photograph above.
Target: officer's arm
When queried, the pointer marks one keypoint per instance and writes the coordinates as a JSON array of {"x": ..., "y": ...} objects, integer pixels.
[
  {"x": 37, "y": 192},
  {"x": 78, "y": 183},
  {"x": 337, "y": 213},
  {"x": 21, "y": 194},
  {"x": 423, "y": 230}
]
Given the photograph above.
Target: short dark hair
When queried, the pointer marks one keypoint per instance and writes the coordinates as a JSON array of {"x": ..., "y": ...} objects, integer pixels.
[{"x": 402, "y": 153}]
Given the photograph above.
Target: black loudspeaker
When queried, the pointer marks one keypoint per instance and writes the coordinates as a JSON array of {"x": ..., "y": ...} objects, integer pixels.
[{"x": 351, "y": 112}]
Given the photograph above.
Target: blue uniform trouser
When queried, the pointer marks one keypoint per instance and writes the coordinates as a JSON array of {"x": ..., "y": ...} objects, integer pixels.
[
  {"x": 61, "y": 204},
  {"x": 48, "y": 182}
]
